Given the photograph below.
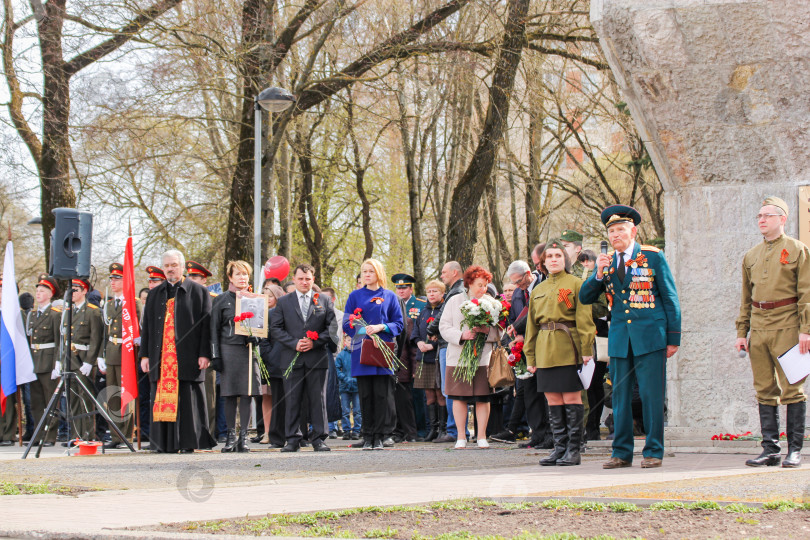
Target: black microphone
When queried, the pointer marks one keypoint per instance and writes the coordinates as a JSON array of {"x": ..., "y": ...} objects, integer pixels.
[{"x": 603, "y": 246}]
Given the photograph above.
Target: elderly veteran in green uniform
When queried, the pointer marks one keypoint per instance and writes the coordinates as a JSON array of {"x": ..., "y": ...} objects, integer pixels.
[
  {"x": 645, "y": 330},
  {"x": 774, "y": 317},
  {"x": 87, "y": 334},
  {"x": 113, "y": 318},
  {"x": 407, "y": 408},
  {"x": 43, "y": 328},
  {"x": 200, "y": 274},
  {"x": 559, "y": 338}
]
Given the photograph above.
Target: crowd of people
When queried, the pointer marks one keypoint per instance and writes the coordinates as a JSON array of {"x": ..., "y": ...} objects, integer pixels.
[{"x": 389, "y": 368}]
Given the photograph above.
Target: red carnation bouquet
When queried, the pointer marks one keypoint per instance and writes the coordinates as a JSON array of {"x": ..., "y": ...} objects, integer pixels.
[
  {"x": 311, "y": 334},
  {"x": 518, "y": 362},
  {"x": 391, "y": 359},
  {"x": 242, "y": 319}
]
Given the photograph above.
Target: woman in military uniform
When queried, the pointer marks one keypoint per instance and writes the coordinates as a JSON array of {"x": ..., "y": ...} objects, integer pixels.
[
  {"x": 559, "y": 337},
  {"x": 230, "y": 353},
  {"x": 43, "y": 329}
]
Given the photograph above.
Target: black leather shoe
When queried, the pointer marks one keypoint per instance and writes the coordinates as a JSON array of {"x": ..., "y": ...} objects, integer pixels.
[
  {"x": 367, "y": 445},
  {"x": 361, "y": 444},
  {"x": 291, "y": 447},
  {"x": 186, "y": 450},
  {"x": 222, "y": 439},
  {"x": 355, "y": 436},
  {"x": 505, "y": 436},
  {"x": 333, "y": 434},
  {"x": 47, "y": 444},
  {"x": 378, "y": 444},
  {"x": 388, "y": 442},
  {"x": 444, "y": 438},
  {"x": 274, "y": 446},
  {"x": 320, "y": 446},
  {"x": 257, "y": 439},
  {"x": 347, "y": 436},
  {"x": 111, "y": 445},
  {"x": 11, "y": 443}
]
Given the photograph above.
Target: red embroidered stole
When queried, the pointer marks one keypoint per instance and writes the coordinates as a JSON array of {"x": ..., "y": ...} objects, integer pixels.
[{"x": 165, "y": 409}]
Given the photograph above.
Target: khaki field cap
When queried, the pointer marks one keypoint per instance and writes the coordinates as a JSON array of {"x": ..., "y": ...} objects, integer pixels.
[{"x": 777, "y": 202}]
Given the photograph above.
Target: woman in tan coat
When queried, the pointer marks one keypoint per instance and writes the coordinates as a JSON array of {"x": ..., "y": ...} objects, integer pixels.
[
  {"x": 559, "y": 337},
  {"x": 456, "y": 333}
]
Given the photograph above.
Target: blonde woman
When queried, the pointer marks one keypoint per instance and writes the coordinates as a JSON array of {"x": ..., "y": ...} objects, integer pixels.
[{"x": 381, "y": 311}]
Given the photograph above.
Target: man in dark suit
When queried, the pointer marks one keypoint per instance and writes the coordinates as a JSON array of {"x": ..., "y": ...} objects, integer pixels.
[
  {"x": 297, "y": 313},
  {"x": 175, "y": 351}
]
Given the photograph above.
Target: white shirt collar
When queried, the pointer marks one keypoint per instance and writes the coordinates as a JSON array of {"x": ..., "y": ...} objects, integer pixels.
[
  {"x": 628, "y": 253},
  {"x": 77, "y": 307},
  {"x": 43, "y": 308}
]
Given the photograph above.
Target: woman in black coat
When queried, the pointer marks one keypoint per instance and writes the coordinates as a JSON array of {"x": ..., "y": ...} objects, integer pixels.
[
  {"x": 230, "y": 353},
  {"x": 426, "y": 374}
]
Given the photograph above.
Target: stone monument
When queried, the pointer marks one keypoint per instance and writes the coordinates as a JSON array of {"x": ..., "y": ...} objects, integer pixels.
[{"x": 720, "y": 93}]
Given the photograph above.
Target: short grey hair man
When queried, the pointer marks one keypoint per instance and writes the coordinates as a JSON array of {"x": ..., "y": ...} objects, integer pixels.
[
  {"x": 171, "y": 254},
  {"x": 518, "y": 268}
]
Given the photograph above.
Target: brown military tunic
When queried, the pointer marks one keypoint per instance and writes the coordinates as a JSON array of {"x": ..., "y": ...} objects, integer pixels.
[
  {"x": 44, "y": 336},
  {"x": 773, "y": 271}
]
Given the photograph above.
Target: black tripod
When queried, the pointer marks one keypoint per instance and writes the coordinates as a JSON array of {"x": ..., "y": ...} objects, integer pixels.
[{"x": 63, "y": 389}]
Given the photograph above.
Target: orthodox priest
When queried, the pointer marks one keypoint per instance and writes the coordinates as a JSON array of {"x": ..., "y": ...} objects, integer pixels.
[{"x": 176, "y": 349}]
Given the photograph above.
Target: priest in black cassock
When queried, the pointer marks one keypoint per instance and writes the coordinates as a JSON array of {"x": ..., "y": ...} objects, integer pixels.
[{"x": 176, "y": 349}]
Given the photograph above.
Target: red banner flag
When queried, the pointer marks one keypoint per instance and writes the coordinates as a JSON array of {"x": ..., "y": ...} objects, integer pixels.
[{"x": 129, "y": 331}]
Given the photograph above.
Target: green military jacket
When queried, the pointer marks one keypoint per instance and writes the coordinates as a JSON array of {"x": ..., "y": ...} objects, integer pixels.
[
  {"x": 42, "y": 328},
  {"x": 87, "y": 330},
  {"x": 547, "y": 304},
  {"x": 112, "y": 335},
  {"x": 773, "y": 271}
]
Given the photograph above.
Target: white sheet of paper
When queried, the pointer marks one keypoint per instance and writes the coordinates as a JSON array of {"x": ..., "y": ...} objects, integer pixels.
[
  {"x": 795, "y": 365},
  {"x": 586, "y": 374}
]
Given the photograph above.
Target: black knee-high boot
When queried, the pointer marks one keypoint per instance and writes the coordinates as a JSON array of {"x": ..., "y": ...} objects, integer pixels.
[
  {"x": 244, "y": 422},
  {"x": 230, "y": 419},
  {"x": 433, "y": 418},
  {"x": 795, "y": 434},
  {"x": 575, "y": 414},
  {"x": 557, "y": 420},
  {"x": 769, "y": 423}
]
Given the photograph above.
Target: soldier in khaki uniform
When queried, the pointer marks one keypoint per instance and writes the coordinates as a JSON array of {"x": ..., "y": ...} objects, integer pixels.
[
  {"x": 113, "y": 317},
  {"x": 87, "y": 333},
  {"x": 43, "y": 328},
  {"x": 775, "y": 316}
]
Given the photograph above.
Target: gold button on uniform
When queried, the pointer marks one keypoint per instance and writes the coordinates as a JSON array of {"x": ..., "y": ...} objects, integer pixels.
[
  {"x": 627, "y": 311},
  {"x": 629, "y": 321}
]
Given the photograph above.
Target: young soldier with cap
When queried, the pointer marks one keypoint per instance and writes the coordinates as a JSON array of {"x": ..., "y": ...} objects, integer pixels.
[
  {"x": 572, "y": 242},
  {"x": 114, "y": 313},
  {"x": 87, "y": 333},
  {"x": 645, "y": 331},
  {"x": 43, "y": 331},
  {"x": 775, "y": 316},
  {"x": 155, "y": 275}
]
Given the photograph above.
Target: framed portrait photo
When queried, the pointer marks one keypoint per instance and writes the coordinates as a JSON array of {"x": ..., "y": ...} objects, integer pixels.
[{"x": 256, "y": 304}]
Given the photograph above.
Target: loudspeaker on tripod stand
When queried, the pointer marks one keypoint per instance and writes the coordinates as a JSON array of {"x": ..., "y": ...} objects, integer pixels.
[{"x": 71, "y": 241}]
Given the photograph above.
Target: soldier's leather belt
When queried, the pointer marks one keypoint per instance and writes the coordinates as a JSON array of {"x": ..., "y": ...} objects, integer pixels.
[
  {"x": 42, "y": 346},
  {"x": 79, "y": 347},
  {"x": 115, "y": 340},
  {"x": 565, "y": 327},
  {"x": 774, "y": 305}
]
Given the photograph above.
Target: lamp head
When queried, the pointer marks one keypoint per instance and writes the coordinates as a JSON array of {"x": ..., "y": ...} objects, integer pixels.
[{"x": 275, "y": 99}]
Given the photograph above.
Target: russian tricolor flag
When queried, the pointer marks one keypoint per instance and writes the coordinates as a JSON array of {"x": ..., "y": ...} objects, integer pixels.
[{"x": 16, "y": 364}]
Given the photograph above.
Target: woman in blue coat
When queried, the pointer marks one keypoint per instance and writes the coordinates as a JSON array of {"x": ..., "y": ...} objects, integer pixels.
[{"x": 381, "y": 311}]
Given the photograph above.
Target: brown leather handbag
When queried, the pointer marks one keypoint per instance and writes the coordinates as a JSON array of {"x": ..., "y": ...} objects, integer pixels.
[
  {"x": 500, "y": 373},
  {"x": 370, "y": 355}
]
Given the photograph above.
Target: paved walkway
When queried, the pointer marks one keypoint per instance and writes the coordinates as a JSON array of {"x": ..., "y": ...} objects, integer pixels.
[{"x": 196, "y": 494}]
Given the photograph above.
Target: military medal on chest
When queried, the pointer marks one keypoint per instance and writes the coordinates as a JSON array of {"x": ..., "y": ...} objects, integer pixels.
[{"x": 641, "y": 284}]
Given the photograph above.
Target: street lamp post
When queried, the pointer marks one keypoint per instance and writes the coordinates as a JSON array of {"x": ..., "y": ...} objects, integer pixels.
[{"x": 272, "y": 100}]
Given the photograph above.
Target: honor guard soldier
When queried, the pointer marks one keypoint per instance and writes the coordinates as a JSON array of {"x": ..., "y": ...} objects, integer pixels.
[
  {"x": 87, "y": 334},
  {"x": 155, "y": 275},
  {"x": 774, "y": 317},
  {"x": 645, "y": 330},
  {"x": 200, "y": 274},
  {"x": 43, "y": 328},
  {"x": 113, "y": 318}
]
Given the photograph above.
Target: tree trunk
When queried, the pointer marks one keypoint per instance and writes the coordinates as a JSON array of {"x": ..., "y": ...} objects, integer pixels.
[
  {"x": 467, "y": 194},
  {"x": 533, "y": 185}
]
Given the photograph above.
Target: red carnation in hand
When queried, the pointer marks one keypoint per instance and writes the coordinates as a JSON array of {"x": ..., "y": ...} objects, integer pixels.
[
  {"x": 506, "y": 306},
  {"x": 312, "y": 335},
  {"x": 247, "y": 315},
  {"x": 358, "y": 311},
  {"x": 430, "y": 320},
  {"x": 237, "y": 318},
  {"x": 474, "y": 301}
]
